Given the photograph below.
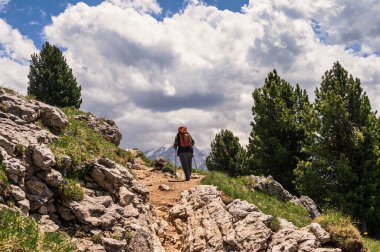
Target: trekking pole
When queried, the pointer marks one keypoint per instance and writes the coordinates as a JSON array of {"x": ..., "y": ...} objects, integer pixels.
[
  {"x": 175, "y": 163},
  {"x": 196, "y": 167}
]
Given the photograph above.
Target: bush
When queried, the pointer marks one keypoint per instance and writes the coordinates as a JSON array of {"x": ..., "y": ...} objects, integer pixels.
[
  {"x": 343, "y": 234},
  {"x": 70, "y": 190}
]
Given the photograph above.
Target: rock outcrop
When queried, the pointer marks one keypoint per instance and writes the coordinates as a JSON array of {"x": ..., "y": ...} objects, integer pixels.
[
  {"x": 274, "y": 188},
  {"x": 115, "y": 207},
  {"x": 106, "y": 127},
  {"x": 204, "y": 223}
]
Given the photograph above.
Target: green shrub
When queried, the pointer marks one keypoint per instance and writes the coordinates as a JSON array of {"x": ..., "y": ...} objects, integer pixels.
[
  {"x": 4, "y": 182},
  {"x": 96, "y": 238},
  {"x": 70, "y": 190},
  {"x": 343, "y": 234},
  {"x": 20, "y": 150}
]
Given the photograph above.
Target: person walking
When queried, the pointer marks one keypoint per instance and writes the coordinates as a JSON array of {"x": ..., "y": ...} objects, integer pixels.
[{"x": 184, "y": 143}]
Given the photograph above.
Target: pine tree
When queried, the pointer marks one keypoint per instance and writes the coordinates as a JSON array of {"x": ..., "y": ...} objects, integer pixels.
[
  {"x": 343, "y": 171},
  {"x": 278, "y": 129},
  {"x": 226, "y": 155},
  {"x": 51, "y": 79}
]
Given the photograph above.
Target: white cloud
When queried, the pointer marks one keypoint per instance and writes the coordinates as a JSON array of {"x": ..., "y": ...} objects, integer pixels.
[
  {"x": 200, "y": 66},
  {"x": 144, "y": 6},
  {"x": 15, "y": 52},
  {"x": 3, "y": 4}
]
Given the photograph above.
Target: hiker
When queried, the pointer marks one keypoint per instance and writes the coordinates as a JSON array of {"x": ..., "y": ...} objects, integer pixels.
[{"x": 184, "y": 142}]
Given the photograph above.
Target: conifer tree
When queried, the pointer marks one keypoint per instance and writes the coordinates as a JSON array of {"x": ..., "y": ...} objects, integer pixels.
[
  {"x": 278, "y": 129},
  {"x": 343, "y": 170},
  {"x": 51, "y": 79},
  {"x": 226, "y": 155}
]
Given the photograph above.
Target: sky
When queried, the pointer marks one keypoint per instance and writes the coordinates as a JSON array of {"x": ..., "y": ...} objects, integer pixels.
[{"x": 153, "y": 65}]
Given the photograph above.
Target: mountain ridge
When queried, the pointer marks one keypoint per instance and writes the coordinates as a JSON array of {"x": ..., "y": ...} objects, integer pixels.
[{"x": 168, "y": 152}]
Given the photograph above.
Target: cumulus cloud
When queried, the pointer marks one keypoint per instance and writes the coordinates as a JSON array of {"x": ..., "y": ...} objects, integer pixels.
[
  {"x": 199, "y": 67},
  {"x": 15, "y": 51}
]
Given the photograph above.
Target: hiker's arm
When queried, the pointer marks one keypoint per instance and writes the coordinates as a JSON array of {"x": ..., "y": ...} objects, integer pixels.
[{"x": 192, "y": 140}]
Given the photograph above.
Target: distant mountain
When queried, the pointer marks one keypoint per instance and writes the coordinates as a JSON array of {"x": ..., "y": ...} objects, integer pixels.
[{"x": 168, "y": 152}]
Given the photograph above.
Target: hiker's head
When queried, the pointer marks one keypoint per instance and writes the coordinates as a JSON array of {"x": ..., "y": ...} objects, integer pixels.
[{"x": 182, "y": 128}]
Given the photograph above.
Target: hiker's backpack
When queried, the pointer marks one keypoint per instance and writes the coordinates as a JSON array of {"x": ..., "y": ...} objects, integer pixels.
[{"x": 184, "y": 137}]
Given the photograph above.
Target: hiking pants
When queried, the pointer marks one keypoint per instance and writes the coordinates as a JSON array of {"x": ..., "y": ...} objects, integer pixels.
[{"x": 186, "y": 159}]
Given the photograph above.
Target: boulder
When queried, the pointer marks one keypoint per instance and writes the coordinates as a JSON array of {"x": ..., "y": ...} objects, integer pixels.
[
  {"x": 43, "y": 157},
  {"x": 112, "y": 245},
  {"x": 51, "y": 116},
  {"x": 17, "y": 193}
]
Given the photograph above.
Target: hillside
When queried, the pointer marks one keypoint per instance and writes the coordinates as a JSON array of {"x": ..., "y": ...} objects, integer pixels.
[{"x": 63, "y": 170}]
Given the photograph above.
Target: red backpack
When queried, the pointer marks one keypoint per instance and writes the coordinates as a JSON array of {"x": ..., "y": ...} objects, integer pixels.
[{"x": 184, "y": 137}]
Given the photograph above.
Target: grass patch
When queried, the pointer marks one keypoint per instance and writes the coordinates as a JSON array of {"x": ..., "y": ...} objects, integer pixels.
[
  {"x": 200, "y": 171},
  {"x": 237, "y": 189},
  {"x": 169, "y": 167},
  {"x": 8, "y": 90},
  {"x": 81, "y": 143},
  {"x": 343, "y": 234},
  {"x": 146, "y": 160},
  {"x": 371, "y": 245},
  {"x": 4, "y": 182},
  {"x": 70, "y": 190},
  {"x": 20, "y": 233}
]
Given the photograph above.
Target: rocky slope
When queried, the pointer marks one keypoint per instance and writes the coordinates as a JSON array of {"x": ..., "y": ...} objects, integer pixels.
[{"x": 113, "y": 207}]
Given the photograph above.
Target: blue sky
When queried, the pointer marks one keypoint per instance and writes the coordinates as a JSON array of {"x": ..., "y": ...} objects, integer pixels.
[
  {"x": 30, "y": 17},
  {"x": 193, "y": 63}
]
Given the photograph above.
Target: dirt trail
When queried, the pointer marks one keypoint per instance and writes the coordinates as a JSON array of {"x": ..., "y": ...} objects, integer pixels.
[{"x": 164, "y": 200}]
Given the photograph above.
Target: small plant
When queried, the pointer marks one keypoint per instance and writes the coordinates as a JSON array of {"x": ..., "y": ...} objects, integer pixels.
[
  {"x": 343, "y": 234},
  {"x": 128, "y": 235},
  {"x": 96, "y": 238},
  {"x": 274, "y": 224},
  {"x": 4, "y": 182},
  {"x": 146, "y": 160},
  {"x": 20, "y": 150},
  {"x": 168, "y": 168},
  {"x": 70, "y": 190}
]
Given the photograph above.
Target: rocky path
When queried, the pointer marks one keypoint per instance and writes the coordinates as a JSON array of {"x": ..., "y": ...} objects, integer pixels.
[{"x": 164, "y": 200}]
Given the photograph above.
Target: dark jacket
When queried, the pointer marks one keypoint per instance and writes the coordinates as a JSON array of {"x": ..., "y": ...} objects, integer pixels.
[{"x": 188, "y": 149}]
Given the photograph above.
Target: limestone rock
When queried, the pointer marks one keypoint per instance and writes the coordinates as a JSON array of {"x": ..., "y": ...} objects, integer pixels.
[
  {"x": 43, "y": 157},
  {"x": 47, "y": 224},
  {"x": 164, "y": 187},
  {"x": 273, "y": 188},
  {"x": 310, "y": 206},
  {"x": 17, "y": 193},
  {"x": 51, "y": 177},
  {"x": 24, "y": 206},
  {"x": 52, "y": 117},
  {"x": 107, "y": 128},
  {"x": 112, "y": 245},
  {"x": 37, "y": 192}
]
